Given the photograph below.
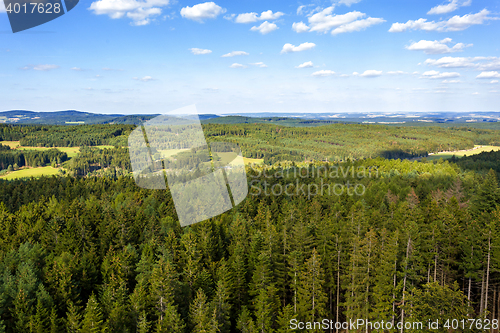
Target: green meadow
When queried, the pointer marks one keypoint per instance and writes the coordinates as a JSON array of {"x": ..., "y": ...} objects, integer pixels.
[{"x": 461, "y": 153}]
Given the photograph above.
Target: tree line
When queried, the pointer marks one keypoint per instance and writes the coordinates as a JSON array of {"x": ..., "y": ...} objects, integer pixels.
[{"x": 100, "y": 254}]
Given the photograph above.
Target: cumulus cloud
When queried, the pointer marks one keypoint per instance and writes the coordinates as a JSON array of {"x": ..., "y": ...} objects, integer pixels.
[
  {"x": 254, "y": 17},
  {"x": 236, "y": 65},
  {"x": 43, "y": 68},
  {"x": 357, "y": 25},
  {"x": 439, "y": 75},
  {"x": 323, "y": 72},
  {"x": 488, "y": 75},
  {"x": 300, "y": 27},
  {"x": 396, "y": 72},
  {"x": 265, "y": 28},
  {"x": 197, "y": 51},
  {"x": 287, "y": 48},
  {"x": 306, "y": 64},
  {"x": 371, "y": 73},
  {"x": 456, "y": 23},
  {"x": 324, "y": 21},
  {"x": 234, "y": 53},
  {"x": 451, "y": 81},
  {"x": 451, "y": 6},
  {"x": 436, "y": 46},
  {"x": 259, "y": 64},
  {"x": 493, "y": 81},
  {"x": 202, "y": 11},
  {"x": 140, "y": 12},
  {"x": 78, "y": 69},
  {"x": 144, "y": 79},
  {"x": 348, "y": 2},
  {"x": 479, "y": 63}
]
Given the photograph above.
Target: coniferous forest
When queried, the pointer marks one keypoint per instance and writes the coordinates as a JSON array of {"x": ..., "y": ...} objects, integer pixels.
[{"x": 353, "y": 236}]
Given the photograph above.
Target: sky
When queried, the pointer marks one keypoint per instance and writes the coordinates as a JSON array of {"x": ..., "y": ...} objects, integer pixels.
[{"x": 154, "y": 56}]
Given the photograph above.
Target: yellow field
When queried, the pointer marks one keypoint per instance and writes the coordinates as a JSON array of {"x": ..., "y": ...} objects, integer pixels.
[
  {"x": 70, "y": 151},
  {"x": 11, "y": 144},
  {"x": 461, "y": 153},
  {"x": 31, "y": 172},
  {"x": 253, "y": 160}
]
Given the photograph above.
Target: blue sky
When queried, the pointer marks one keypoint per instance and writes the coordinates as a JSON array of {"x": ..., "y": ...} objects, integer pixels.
[{"x": 152, "y": 56}]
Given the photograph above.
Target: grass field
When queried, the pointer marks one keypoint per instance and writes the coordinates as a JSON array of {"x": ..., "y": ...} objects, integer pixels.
[
  {"x": 70, "y": 151},
  {"x": 461, "y": 153},
  {"x": 11, "y": 144},
  {"x": 31, "y": 172},
  {"x": 253, "y": 160}
]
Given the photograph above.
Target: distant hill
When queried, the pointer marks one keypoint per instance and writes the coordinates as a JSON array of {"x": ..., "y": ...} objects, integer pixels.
[{"x": 72, "y": 117}]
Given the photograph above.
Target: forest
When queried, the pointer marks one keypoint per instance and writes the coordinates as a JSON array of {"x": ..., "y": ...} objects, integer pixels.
[{"x": 92, "y": 252}]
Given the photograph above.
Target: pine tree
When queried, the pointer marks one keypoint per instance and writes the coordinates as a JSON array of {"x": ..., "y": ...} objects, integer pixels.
[
  {"x": 222, "y": 306},
  {"x": 312, "y": 298},
  {"x": 384, "y": 290},
  {"x": 41, "y": 318},
  {"x": 245, "y": 322},
  {"x": 73, "y": 319},
  {"x": 92, "y": 318},
  {"x": 285, "y": 315},
  {"x": 202, "y": 318},
  {"x": 142, "y": 323}
]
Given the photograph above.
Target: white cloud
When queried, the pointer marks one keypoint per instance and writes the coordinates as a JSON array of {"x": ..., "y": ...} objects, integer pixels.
[
  {"x": 357, "y": 25},
  {"x": 140, "y": 12},
  {"x": 451, "y": 6},
  {"x": 479, "y": 63},
  {"x": 247, "y": 18},
  {"x": 300, "y": 27},
  {"x": 236, "y": 65},
  {"x": 144, "y": 79},
  {"x": 456, "y": 23},
  {"x": 268, "y": 15},
  {"x": 259, "y": 64},
  {"x": 436, "y": 46},
  {"x": 77, "y": 69},
  {"x": 197, "y": 51},
  {"x": 439, "y": 75},
  {"x": 234, "y": 53},
  {"x": 451, "y": 81},
  {"x": 396, "y": 72},
  {"x": 254, "y": 17},
  {"x": 306, "y": 64},
  {"x": 323, "y": 72},
  {"x": 202, "y": 11},
  {"x": 300, "y": 10},
  {"x": 43, "y": 68},
  {"x": 2, "y": 7},
  {"x": 493, "y": 81},
  {"x": 475, "y": 93},
  {"x": 488, "y": 75},
  {"x": 265, "y": 28},
  {"x": 348, "y": 2},
  {"x": 287, "y": 48},
  {"x": 324, "y": 21},
  {"x": 371, "y": 73}
]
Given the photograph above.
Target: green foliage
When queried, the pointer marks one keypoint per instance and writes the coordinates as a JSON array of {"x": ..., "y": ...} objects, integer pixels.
[{"x": 99, "y": 253}]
